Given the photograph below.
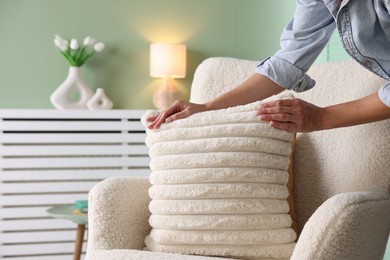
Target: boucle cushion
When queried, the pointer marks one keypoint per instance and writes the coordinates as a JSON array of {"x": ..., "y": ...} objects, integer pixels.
[{"x": 219, "y": 186}]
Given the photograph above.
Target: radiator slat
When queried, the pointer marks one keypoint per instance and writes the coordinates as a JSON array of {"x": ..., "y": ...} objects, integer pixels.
[
  {"x": 37, "y": 249},
  {"x": 57, "y": 150},
  {"x": 72, "y": 138},
  {"x": 24, "y": 212},
  {"x": 38, "y": 200},
  {"x": 56, "y": 125},
  {"x": 37, "y": 225},
  {"x": 51, "y": 114},
  {"x": 45, "y": 187},
  {"x": 38, "y": 237},
  {"x": 50, "y": 157},
  {"x": 77, "y": 174},
  {"x": 73, "y": 162},
  {"x": 45, "y": 257}
]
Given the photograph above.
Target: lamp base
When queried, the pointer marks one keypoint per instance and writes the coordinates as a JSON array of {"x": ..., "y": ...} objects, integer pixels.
[{"x": 166, "y": 94}]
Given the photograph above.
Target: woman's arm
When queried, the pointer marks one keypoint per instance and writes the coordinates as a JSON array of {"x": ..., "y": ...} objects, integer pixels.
[
  {"x": 300, "y": 116},
  {"x": 255, "y": 88}
]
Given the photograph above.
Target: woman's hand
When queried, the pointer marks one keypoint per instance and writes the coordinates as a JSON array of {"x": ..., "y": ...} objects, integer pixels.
[
  {"x": 178, "y": 110},
  {"x": 299, "y": 116},
  {"x": 293, "y": 115}
]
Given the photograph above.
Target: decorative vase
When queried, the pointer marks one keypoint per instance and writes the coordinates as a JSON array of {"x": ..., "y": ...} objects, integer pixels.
[
  {"x": 61, "y": 97},
  {"x": 99, "y": 101}
]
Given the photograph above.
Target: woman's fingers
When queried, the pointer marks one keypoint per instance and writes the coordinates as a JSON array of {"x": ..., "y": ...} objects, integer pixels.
[
  {"x": 161, "y": 117},
  {"x": 291, "y": 115},
  {"x": 278, "y": 112},
  {"x": 275, "y": 107},
  {"x": 279, "y": 103},
  {"x": 177, "y": 110},
  {"x": 280, "y": 117},
  {"x": 151, "y": 119},
  {"x": 291, "y": 127}
]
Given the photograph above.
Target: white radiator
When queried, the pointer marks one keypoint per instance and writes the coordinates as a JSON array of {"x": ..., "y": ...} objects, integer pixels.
[{"x": 50, "y": 157}]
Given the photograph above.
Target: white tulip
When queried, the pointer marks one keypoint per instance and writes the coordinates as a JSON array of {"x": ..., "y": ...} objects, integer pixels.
[
  {"x": 87, "y": 41},
  {"x": 58, "y": 37},
  {"x": 64, "y": 47},
  {"x": 74, "y": 45},
  {"x": 99, "y": 46},
  {"x": 58, "y": 42},
  {"x": 92, "y": 42},
  {"x": 62, "y": 44}
]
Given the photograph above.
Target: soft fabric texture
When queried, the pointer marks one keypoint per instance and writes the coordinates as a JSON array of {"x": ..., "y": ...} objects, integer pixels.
[
  {"x": 326, "y": 235},
  {"x": 331, "y": 171},
  {"x": 122, "y": 254},
  {"x": 219, "y": 75},
  {"x": 345, "y": 159},
  {"x": 239, "y": 208},
  {"x": 325, "y": 162},
  {"x": 115, "y": 205}
]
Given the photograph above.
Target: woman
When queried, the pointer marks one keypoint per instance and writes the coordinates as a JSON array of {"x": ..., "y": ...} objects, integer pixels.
[{"x": 364, "y": 27}]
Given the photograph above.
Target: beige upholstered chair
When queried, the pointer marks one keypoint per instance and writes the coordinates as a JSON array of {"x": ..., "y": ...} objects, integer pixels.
[{"x": 340, "y": 176}]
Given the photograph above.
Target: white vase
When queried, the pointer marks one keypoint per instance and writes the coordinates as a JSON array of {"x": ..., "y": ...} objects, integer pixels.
[
  {"x": 99, "y": 101},
  {"x": 73, "y": 83}
]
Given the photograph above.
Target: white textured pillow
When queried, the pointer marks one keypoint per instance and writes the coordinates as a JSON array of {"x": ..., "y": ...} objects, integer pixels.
[{"x": 219, "y": 186}]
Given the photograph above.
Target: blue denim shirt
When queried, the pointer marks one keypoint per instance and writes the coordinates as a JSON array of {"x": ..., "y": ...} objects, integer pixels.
[{"x": 364, "y": 28}]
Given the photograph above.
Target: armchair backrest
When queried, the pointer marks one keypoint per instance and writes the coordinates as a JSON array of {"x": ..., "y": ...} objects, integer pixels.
[{"x": 326, "y": 162}]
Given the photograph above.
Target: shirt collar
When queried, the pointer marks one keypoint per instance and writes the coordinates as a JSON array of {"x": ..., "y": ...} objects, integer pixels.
[{"x": 335, "y": 5}]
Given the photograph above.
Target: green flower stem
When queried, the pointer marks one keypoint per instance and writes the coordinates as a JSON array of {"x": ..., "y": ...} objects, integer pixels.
[
  {"x": 68, "y": 58},
  {"x": 80, "y": 54},
  {"x": 86, "y": 57},
  {"x": 76, "y": 58}
]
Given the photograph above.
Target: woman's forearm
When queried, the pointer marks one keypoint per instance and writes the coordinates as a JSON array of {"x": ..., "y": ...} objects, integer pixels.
[
  {"x": 257, "y": 87},
  {"x": 365, "y": 110}
]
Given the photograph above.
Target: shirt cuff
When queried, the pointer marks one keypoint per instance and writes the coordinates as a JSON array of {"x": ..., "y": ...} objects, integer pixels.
[
  {"x": 285, "y": 74},
  {"x": 384, "y": 94}
]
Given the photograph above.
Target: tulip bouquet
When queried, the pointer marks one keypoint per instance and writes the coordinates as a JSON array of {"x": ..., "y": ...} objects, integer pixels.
[{"x": 75, "y": 54}]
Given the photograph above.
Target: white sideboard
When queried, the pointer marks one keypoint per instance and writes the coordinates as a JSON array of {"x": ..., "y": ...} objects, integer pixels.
[{"x": 51, "y": 157}]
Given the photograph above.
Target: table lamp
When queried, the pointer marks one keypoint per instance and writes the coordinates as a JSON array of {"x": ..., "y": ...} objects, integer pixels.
[{"x": 167, "y": 61}]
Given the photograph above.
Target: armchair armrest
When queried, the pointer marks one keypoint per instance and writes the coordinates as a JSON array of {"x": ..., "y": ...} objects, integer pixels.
[
  {"x": 118, "y": 214},
  {"x": 351, "y": 225}
]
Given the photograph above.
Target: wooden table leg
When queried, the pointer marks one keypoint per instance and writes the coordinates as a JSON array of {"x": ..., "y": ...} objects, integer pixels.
[{"x": 79, "y": 242}]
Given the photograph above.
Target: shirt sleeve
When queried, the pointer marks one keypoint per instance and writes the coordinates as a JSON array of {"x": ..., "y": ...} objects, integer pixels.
[
  {"x": 301, "y": 43},
  {"x": 384, "y": 93}
]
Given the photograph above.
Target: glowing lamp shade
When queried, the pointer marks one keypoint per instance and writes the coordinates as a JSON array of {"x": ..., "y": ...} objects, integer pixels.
[{"x": 167, "y": 61}]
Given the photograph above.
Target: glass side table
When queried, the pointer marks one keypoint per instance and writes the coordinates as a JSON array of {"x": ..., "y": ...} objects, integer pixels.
[{"x": 66, "y": 212}]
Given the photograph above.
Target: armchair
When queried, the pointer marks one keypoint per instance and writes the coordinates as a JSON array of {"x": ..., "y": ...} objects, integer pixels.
[{"x": 340, "y": 176}]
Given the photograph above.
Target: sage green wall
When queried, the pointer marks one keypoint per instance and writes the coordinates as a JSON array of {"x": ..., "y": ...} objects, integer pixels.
[{"x": 31, "y": 66}]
